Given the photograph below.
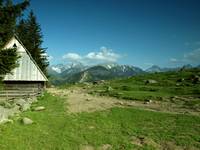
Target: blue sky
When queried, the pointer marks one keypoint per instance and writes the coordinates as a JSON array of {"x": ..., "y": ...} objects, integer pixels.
[{"x": 135, "y": 32}]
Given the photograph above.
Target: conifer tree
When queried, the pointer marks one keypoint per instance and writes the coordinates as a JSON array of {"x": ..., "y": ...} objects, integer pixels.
[
  {"x": 29, "y": 31},
  {"x": 8, "y": 16}
]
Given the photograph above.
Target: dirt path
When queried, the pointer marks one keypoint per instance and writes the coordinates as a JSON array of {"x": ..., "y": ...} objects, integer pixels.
[{"x": 78, "y": 101}]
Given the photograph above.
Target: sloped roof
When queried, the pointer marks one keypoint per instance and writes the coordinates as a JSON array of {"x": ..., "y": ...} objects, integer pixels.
[{"x": 28, "y": 70}]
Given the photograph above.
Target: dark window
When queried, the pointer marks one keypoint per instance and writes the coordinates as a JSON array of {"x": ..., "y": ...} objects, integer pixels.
[{"x": 15, "y": 46}]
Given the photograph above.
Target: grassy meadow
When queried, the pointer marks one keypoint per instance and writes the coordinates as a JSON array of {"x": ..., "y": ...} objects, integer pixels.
[
  {"x": 169, "y": 84},
  {"x": 54, "y": 128},
  {"x": 118, "y": 128}
]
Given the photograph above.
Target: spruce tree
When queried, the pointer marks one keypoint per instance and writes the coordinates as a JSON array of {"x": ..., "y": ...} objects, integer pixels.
[
  {"x": 29, "y": 31},
  {"x": 8, "y": 16}
]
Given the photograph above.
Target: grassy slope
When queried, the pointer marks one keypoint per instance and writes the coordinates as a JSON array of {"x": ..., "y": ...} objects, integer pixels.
[
  {"x": 135, "y": 88},
  {"x": 55, "y": 129}
]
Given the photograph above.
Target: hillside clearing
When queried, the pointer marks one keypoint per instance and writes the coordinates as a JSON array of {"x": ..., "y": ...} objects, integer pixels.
[
  {"x": 78, "y": 100},
  {"x": 115, "y": 128}
]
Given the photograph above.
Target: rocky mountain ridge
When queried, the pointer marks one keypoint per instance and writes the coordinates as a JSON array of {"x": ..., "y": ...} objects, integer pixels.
[{"x": 77, "y": 72}]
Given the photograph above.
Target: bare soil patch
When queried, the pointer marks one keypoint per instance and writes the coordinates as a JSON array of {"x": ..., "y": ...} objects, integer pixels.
[{"x": 78, "y": 100}]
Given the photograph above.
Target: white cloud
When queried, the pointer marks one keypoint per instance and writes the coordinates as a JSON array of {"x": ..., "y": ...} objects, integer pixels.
[
  {"x": 104, "y": 55},
  {"x": 148, "y": 64},
  {"x": 72, "y": 57},
  {"x": 193, "y": 56},
  {"x": 197, "y": 42},
  {"x": 173, "y": 60},
  {"x": 50, "y": 58},
  {"x": 47, "y": 56},
  {"x": 187, "y": 43}
]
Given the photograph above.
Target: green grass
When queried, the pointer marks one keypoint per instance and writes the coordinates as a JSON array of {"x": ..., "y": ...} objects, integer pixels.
[
  {"x": 54, "y": 128},
  {"x": 167, "y": 85}
]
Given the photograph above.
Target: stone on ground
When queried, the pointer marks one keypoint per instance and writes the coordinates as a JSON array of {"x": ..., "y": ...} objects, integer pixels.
[
  {"x": 5, "y": 113},
  {"x": 150, "y": 81},
  {"x": 9, "y": 108},
  {"x": 91, "y": 127},
  {"x": 141, "y": 141},
  {"x": 32, "y": 100},
  {"x": 20, "y": 102},
  {"x": 25, "y": 107},
  {"x": 39, "y": 108},
  {"x": 86, "y": 147},
  {"x": 27, "y": 121},
  {"x": 105, "y": 147}
]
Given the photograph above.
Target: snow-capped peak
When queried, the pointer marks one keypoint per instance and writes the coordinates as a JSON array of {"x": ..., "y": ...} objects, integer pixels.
[{"x": 56, "y": 69}]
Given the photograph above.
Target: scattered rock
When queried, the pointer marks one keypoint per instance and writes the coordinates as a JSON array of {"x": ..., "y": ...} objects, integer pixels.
[
  {"x": 196, "y": 79},
  {"x": 52, "y": 86},
  {"x": 150, "y": 81},
  {"x": 119, "y": 103},
  {"x": 102, "y": 81},
  {"x": 181, "y": 80},
  {"x": 6, "y": 104},
  {"x": 9, "y": 121},
  {"x": 86, "y": 147},
  {"x": 160, "y": 98},
  {"x": 141, "y": 141},
  {"x": 5, "y": 113},
  {"x": 148, "y": 101},
  {"x": 20, "y": 102},
  {"x": 91, "y": 127},
  {"x": 86, "y": 83},
  {"x": 25, "y": 107},
  {"x": 3, "y": 117},
  {"x": 175, "y": 97},
  {"x": 136, "y": 141},
  {"x": 39, "y": 108},
  {"x": 13, "y": 106},
  {"x": 32, "y": 100},
  {"x": 26, "y": 121},
  {"x": 171, "y": 146},
  {"x": 186, "y": 112},
  {"x": 105, "y": 147},
  {"x": 109, "y": 88},
  {"x": 130, "y": 104},
  {"x": 87, "y": 99},
  {"x": 95, "y": 82}
]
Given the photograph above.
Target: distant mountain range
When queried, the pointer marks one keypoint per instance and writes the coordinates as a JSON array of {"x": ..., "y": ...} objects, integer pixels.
[
  {"x": 71, "y": 73},
  {"x": 66, "y": 68},
  {"x": 77, "y": 72},
  {"x": 156, "y": 68}
]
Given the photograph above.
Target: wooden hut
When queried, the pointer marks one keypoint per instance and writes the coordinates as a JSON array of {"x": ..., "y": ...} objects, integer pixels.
[{"x": 25, "y": 80}]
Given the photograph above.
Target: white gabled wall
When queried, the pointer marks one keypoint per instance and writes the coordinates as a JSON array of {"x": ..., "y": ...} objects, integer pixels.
[{"x": 27, "y": 69}]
